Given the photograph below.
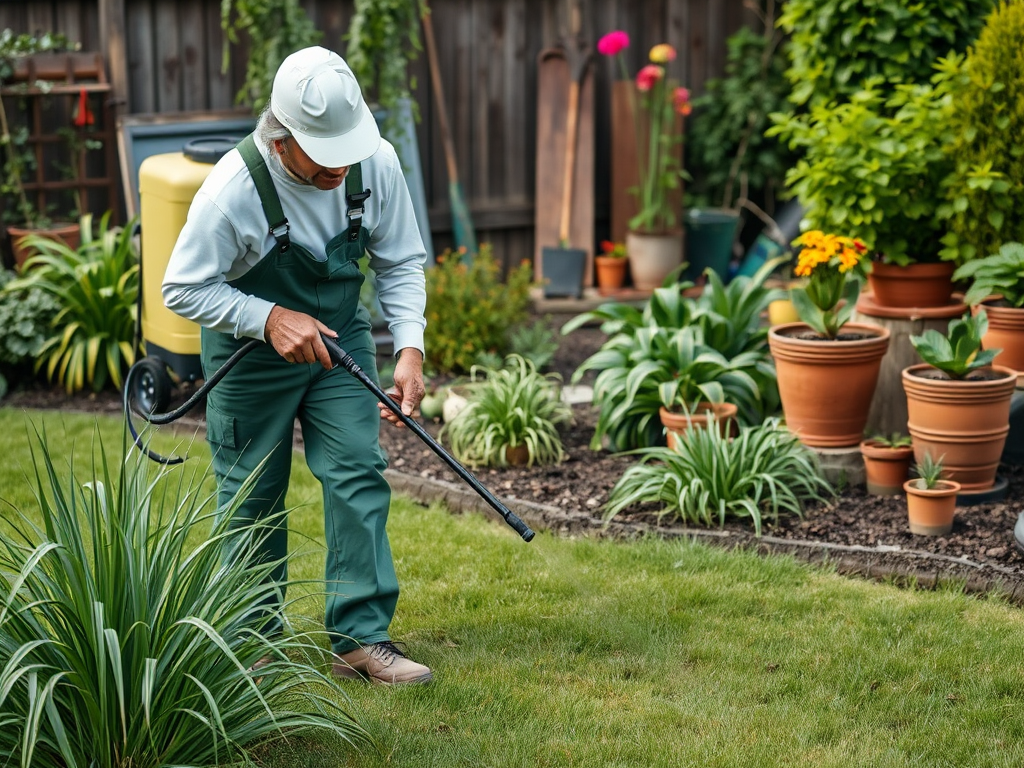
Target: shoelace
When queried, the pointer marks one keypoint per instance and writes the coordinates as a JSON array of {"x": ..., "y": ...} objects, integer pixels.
[{"x": 386, "y": 650}]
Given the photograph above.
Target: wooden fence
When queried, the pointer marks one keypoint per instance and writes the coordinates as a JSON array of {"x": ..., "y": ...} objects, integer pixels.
[{"x": 165, "y": 56}]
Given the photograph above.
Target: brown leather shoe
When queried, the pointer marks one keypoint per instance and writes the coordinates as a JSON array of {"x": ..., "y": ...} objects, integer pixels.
[{"x": 380, "y": 663}]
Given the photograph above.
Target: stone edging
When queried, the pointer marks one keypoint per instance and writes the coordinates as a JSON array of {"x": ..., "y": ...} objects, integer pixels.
[{"x": 904, "y": 566}]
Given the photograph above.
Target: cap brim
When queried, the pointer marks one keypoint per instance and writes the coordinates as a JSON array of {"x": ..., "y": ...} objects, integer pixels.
[{"x": 346, "y": 149}]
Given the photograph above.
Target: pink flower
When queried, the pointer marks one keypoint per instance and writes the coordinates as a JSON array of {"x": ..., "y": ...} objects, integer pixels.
[
  {"x": 681, "y": 101},
  {"x": 648, "y": 76},
  {"x": 613, "y": 43},
  {"x": 660, "y": 54}
]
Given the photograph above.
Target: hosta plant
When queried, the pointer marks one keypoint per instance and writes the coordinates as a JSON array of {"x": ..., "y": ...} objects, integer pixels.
[
  {"x": 708, "y": 478},
  {"x": 958, "y": 352},
  {"x": 90, "y": 340},
  {"x": 126, "y": 638},
  {"x": 1000, "y": 273},
  {"x": 514, "y": 406}
]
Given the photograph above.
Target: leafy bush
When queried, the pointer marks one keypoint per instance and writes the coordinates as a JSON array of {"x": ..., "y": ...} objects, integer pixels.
[
  {"x": 91, "y": 338},
  {"x": 959, "y": 351},
  {"x": 536, "y": 342},
  {"x": 514, "y": 406},
  {"x": 124, "y": 643},
  {"x": 874, "y": 166},
  {"x": 727, "y": 320},
  {"x": 764, "y": 472},
  {"x": 727, "y": 141},
  {"x": 469, "y": 309},
  {"x": 987, "y": 187},
  {"x": 25, "y": 316},
  {"x": 999, "y": 273},
  {"x": 836, "y": 45}
]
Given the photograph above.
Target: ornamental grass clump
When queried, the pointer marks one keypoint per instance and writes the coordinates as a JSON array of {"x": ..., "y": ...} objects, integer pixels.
[
  {"x": 126, "y": 639},
  {"x": 514, "y": 408},
  {"x": 708, "y": 478},
  {"x": 827, "y": 302}
]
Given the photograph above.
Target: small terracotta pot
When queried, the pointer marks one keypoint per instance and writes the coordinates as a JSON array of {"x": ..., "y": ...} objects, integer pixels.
[
  {"x": 887, "y": 469},
  {"x": 930, "y": 511},
  {"x": 678, "y": 423},
  {"x": 916, "y": 285},
  {"x": 69, "y": 234},
  {"x": 826, "y": 386},
  {"x": 963, "y": 423},
  {"x": 611, "y": 273},
  {"x": 1005, "y": 332},
  {"x": 517, "y": 455}
]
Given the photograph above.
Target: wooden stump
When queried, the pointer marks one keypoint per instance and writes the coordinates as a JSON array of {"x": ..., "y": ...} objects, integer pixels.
[{"x": 888, "y": 412}]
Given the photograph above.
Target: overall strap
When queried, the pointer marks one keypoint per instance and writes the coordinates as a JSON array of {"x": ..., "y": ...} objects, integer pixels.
[
  {"x": 355, "y": 196},
  {"x": 267, "y": 191}
]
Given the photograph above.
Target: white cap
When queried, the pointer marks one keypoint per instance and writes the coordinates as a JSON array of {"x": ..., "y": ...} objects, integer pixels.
[{"x": 317, "y": 98}]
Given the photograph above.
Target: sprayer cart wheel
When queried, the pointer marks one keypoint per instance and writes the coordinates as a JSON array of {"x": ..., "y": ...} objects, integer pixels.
[{"x": 151, "y": 385}]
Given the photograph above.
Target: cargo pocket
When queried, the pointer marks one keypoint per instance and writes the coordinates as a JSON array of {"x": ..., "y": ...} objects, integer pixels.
[{"x": 220, "y": 427}]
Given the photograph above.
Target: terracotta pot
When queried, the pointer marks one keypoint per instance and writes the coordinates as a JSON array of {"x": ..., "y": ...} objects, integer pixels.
[
  {"x": 1005, "y": 332},
  {"x": 517, "y": 455},
  {"x": 678, "y": 423},
  {"x": 611, "y": 273},
  {"x": 826, "y": 386},
  {"x": 69, "y": 234},
  {"x": 652, "y": 256},
  {"x": 916, "y": 285},
  {"x": 963, "y": 423},
  {"x": 887, "y": 469},
  {"x": 930, "y": 511}
]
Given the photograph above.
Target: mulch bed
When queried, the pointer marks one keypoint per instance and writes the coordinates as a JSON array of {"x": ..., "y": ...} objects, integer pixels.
[{"x": 862, "y": 533}]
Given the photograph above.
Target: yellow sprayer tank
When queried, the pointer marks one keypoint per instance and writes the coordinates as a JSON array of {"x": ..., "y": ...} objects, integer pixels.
[{"x": 167, "y": 184}]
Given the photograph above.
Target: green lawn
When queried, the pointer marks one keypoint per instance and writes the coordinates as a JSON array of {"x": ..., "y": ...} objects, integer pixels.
[{"x": 597, "y": 653}]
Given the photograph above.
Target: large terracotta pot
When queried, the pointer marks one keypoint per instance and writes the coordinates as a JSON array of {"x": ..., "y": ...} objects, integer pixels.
[
  {"x": 826, "y": 386},
  {"x": 611, "y": 273},
  {"x": 678, "y": 423},
  {"x": 1005, "y": 332},
  {"x": 962, "y": 423},
  {"x": 886, "y": 468},
  {"x": 69, "y": 234},
  {"x": 652, "y": 256},
  {"x": 916, "y": 285},
  {"x": 930, "y": 511}
]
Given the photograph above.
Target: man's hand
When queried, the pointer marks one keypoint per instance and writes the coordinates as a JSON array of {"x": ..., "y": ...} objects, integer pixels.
[
  {"x": 296, "y": 337},
  {"x": 408, "y": 389}
]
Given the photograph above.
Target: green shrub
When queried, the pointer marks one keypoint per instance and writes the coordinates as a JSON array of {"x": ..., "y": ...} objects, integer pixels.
[
  {"x": 764, "y": 472},
  {"x": 25, "y": 317},
  {"x": 470, "y": 310},
  {"x": 987, "y": 188},
  {"x": 514, "y": 406},
  {"x": 537, "y": 342},
  {"x": 836, "y": 45},
  {"x": 124, "y": 642},
  {"x": 91, "y": 340}
]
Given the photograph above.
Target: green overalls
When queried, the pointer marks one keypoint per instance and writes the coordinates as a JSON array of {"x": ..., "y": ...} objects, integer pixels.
[{"x": 251, "y": 414}]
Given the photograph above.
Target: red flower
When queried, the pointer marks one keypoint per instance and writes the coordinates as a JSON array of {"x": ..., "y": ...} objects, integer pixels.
[
  {"x": 648, "y": 76},
  {"x": 681, "y": 101},
  {"x": 613, "y": 43}
]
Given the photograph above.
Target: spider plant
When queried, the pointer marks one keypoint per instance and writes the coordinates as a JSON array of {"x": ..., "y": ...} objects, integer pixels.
[
  {"x": 125, "y": 639},
  {"x": 707, "y": 478},
  {"x": 97, "y": 285},
  {"x": 929, "y": 471},
  {"x": 514, "y": 406}
]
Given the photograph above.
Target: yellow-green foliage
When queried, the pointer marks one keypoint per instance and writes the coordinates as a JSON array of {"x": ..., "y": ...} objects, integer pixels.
[
  {"x": 987, "y": 189},
  {"x": 470, "y": 310}
]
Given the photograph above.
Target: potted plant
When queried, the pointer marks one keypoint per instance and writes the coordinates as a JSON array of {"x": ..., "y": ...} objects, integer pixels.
[
  {"x": 654, "y": 239},
  {"x": 611, "y": 265},
  {"x": 997, "y": 284},
  {"x": 887, "y": 461},
  {"x": 512, "y": 418},
  {"x": 874, "y": 167},
  {"x": 958, "y": 403},
  {"x": 827, "y": 367},
  {"x": 931, "y": 500},
  {"x": 22, "y": 215}
]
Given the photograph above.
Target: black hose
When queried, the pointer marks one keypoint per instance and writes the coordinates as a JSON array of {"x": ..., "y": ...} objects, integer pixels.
[{"x": 345, "y": 360}]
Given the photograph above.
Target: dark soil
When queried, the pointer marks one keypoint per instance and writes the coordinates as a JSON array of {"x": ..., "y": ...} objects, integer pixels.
[{"x": 982, "y": 534}]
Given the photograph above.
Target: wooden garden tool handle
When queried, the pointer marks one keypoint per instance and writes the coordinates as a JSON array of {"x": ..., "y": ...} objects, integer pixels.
[
  {"x": 439, "y": 103},
  {"x": 570, "y": 160}
]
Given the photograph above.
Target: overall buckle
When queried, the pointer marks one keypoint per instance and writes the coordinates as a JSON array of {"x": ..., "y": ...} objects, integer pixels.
[{"x": 280, "y": 234}]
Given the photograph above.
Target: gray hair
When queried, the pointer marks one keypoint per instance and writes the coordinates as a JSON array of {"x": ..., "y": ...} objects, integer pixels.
[{"x": 269, "y": 129}]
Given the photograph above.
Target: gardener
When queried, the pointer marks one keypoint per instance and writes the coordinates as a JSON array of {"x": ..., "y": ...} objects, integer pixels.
[{"x": 270, "y": 251}]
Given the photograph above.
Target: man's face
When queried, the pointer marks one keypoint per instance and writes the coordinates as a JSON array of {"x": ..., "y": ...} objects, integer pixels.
[{"x": 298, "y": 162}]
